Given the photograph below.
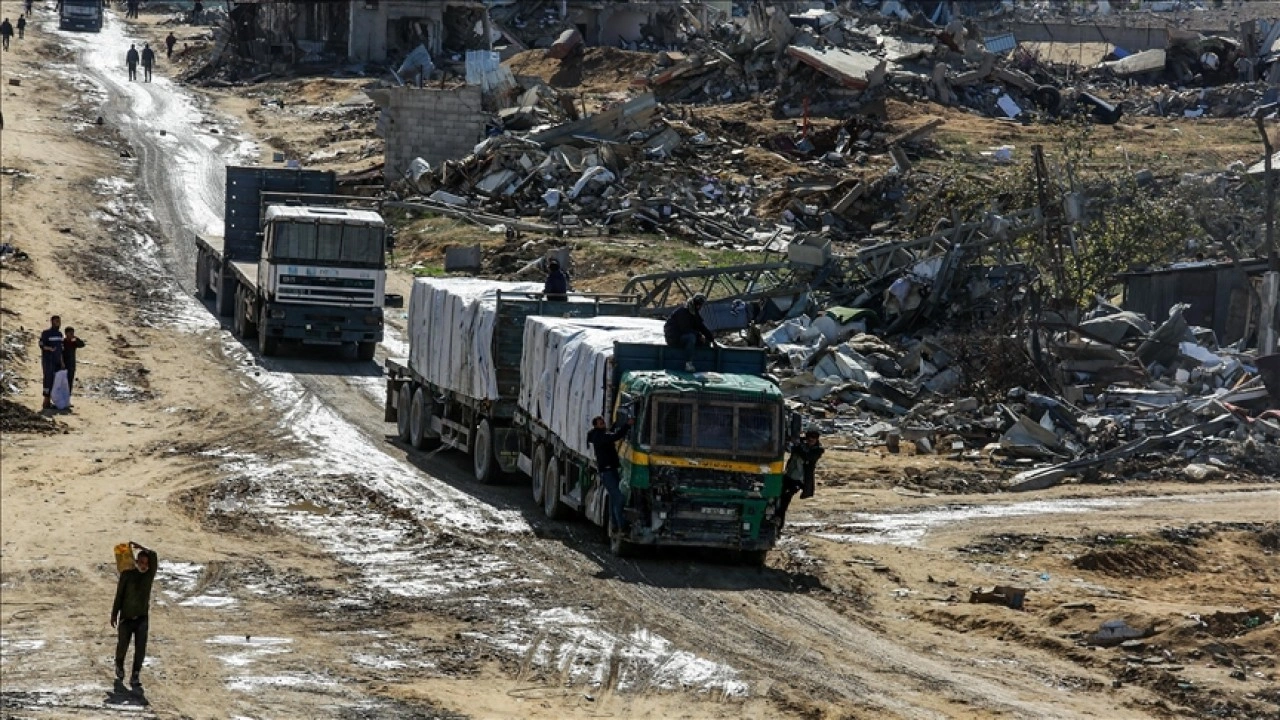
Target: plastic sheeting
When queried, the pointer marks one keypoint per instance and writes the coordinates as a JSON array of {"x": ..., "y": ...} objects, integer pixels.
[
  {"x": 451, "y": 323},
  {"x": 565, "y": 374}
]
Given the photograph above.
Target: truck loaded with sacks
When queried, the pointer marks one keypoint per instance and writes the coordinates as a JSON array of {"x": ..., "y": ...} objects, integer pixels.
[{"x": 499, "y": 372}]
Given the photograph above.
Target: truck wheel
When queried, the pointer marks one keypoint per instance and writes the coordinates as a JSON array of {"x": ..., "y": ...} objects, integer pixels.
[
  {"x": 551, "y": 505},
  {"x": 618, "y": 544},
  {"x": 486, "y": 466},
  {"x": 267, "y": 345},
  {"x": 538, "y": 473},
  {"x": 404, "y": 401},
  {"x": 420, "y": 412},
  {"x": 364, "y": 350}
]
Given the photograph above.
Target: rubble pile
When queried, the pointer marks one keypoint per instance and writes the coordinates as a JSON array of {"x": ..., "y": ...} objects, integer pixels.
[{"x": 1077, "y": 401}]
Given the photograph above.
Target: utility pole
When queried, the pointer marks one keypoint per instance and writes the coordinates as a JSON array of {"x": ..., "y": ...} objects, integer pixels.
[{"x": 1270, "y": 279}]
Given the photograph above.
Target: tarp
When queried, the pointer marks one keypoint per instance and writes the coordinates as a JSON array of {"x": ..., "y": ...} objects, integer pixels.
[
  {"x": 565, "y": 372},
  {"x": 451, "y": 323}
]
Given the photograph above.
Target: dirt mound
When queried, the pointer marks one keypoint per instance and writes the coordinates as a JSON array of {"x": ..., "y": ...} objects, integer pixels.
[
  {"x": 1140, "y": 560},
  {"x": 600, "y": 69},
  {"x": 15, "y": 418},
  {"x": 1269, "y": 538}
]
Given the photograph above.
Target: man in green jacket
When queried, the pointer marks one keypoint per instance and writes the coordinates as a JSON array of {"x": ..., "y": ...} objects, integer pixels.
[{"x": 133, "y": 600}]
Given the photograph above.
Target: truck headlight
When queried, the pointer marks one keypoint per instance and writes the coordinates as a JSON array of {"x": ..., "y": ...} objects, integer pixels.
[{"x": 276, "y": 314}]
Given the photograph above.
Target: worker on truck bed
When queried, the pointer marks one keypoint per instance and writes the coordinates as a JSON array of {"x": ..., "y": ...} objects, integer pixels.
[
  {"x": 686, "y": 329},
  {"x": 556, "y": 288},
  {"x": 605, "y": 444}
]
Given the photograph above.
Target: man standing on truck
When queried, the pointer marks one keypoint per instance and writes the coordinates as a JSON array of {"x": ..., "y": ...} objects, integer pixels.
[
  {"x": 130, "y": 609},
  {"x": 148, "y": 59},
  {"x": 686, "y": 329},
  {"x": 131, "y": 59},
  {"x": 556, "y": 287},
  {"x": 800, "y": 470},
  {"x": 50, "y": 356},
  {"x": 605, "y": 444}
]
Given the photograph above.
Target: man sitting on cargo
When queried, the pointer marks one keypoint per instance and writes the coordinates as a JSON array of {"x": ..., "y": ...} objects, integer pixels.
[
  {"x": 605, "y": 444},
  {"x": 686, "y": 329}
]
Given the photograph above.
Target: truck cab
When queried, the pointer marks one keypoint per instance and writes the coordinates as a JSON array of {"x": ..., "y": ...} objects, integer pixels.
[
  {"x": 322, "y": 274},
  {"x": 703, "y": 462},
  {"x": 80, "y": 15}
]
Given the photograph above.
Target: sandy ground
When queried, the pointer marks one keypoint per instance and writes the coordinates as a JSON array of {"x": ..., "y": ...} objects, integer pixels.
[{"x": 312, "y": 567}]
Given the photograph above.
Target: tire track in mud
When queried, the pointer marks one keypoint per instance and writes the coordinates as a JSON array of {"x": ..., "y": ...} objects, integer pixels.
[{"x": 779, "y": 639}]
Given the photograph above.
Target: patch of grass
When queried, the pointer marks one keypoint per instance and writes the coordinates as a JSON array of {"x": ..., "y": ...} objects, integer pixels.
[{"x": 428, "y": 270}]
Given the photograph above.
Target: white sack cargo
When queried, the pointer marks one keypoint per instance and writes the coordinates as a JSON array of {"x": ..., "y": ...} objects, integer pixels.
[
  {"x": 451, "y": 322},
  {"x": 567, "y": 366}
]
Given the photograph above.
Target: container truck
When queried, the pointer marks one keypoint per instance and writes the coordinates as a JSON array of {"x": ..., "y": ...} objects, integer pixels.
[
  {"x": 80, "y": 15},
  {"x": 293, "y": 264},
  {"x": 702, "y": 462},
  {"x": 496, "y": 370},
  {"x": 460, "y": 383}
]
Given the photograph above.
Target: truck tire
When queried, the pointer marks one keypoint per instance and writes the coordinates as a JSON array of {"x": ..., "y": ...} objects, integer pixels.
[
  {"x": 364, "y": 350},
  {"x": 267, "y": 345},
  {"x": 551, "y": 505},
  {"x": 404, "y": 400},
  {"x": 420, "y": 412},
  {"x": 485, "y": 464},
  {"x": 538, "y": 473}
]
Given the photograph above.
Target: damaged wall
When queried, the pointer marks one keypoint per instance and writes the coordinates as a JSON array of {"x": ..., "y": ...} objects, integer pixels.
[
  {"x": 435, "y": 125},
  {"x": 1216, "y": 292}
]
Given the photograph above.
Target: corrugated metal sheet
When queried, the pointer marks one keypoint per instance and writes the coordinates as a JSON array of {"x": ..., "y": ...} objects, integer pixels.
[{"x": 1001, "y": 44}]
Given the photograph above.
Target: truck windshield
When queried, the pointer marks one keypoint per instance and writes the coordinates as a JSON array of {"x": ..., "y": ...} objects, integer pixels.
[
  {"x": 715, "y": 427},
  {"x": 328, "y": 243}
]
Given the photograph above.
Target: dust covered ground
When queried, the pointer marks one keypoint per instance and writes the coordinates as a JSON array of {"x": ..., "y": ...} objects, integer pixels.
[{"x": 310, "y": 566}]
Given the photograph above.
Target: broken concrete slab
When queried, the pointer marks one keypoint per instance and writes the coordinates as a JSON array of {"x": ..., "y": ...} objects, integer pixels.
[
  {"x": 853, "y": 69},
  {"x": 565, "y": 45}
]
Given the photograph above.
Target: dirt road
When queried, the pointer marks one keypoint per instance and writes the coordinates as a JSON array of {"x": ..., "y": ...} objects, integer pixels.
[{"x": 311, "y": 567}]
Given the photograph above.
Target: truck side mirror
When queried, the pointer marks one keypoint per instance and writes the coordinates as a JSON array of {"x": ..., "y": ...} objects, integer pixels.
[{"x": 796, "y": 424}]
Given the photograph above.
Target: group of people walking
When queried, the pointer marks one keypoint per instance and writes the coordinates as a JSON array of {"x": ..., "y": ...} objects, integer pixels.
[
  {"x": 7, "y": 30},
  {"x": 58, "y": 353}
]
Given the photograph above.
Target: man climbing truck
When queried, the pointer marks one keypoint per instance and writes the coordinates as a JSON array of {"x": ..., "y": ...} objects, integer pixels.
[
  {"x": 294, "y": 265},
  {"x": 702, "y": 461}
]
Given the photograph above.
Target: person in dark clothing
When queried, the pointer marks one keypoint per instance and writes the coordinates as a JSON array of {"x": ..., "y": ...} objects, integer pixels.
[
  {"x": 70, "y": 343},
  {"x": 806, "y": 453},
  {"x": 131, "y": 59},
  {"x": 50, "y": 355},
  {"x": 169, "y": 42},
  {"x": 6, "y": 32},
  {"x": 605, "y": 445},
  {"x": 26, "y": 4},
  {"x": 557, "y": 284},
  {"x": 148, "y": 59},
  {"x": 130, "y": 609},
  {"x": 686, "y": 329},
  {"x": 197, "y": 9},
  {"x": 22, "y": 26}
]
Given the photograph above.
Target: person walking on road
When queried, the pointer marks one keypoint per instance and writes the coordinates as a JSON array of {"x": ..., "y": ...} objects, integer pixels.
[
  {"x": 169, "y": 42},
  {"x": 798, "y": 477},
  {"x": 605, "y": 444},
  {"x": 6, "y": 32},
  {"x": 131, "y": 59},
  {"x": 686, "y": 329},
  {"x": 50, "y": 356},
  {"x": 148, "y": 59},
  {"x": 70, "y": 343},
  {"x": 22, "y": 26},
  {"x": 26, "y": 4},
  {"x": 130, "y": 609}
]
